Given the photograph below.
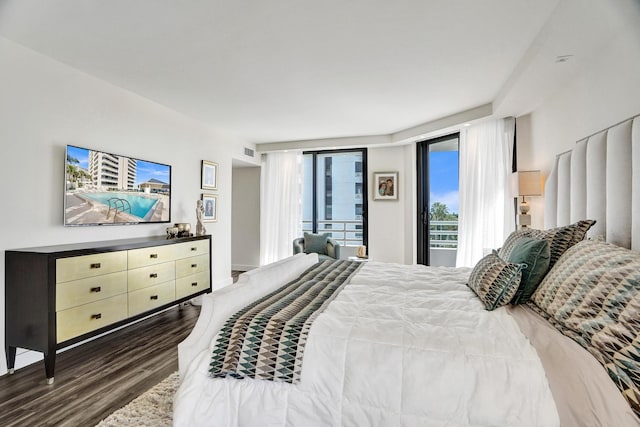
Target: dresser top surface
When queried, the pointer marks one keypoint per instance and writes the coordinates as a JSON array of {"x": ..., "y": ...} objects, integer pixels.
[{"x": 109, "y": 245}]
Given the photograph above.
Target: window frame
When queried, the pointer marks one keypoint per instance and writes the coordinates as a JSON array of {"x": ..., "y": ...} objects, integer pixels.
[
  {"x": 423, "y": 194},
  {"x": 365, "y": 200}
]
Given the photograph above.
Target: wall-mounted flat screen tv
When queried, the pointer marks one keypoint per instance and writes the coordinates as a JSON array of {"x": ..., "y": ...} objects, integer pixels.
[{"x": 105, "y": 189}]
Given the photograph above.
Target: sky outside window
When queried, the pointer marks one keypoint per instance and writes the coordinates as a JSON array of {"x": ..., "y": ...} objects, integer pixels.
[{"x": 443, "y": 179}]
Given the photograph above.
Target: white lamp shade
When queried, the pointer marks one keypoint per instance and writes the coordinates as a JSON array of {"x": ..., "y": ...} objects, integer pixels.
[{"x": 526, "y": 183}]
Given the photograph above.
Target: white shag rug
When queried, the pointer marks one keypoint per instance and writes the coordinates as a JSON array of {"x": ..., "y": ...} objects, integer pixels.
[{"x": 153, "y": 408}]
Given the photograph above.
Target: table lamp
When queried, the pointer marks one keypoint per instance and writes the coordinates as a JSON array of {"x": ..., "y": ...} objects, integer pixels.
[{"x": 526, "y": 183}]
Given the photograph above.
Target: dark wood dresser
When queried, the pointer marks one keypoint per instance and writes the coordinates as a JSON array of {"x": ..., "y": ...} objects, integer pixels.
[{"x": 60, "y": 295}]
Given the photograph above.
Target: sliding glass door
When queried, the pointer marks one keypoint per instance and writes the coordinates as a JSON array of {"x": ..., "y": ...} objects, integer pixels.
[{"x": 438, "y": 183}]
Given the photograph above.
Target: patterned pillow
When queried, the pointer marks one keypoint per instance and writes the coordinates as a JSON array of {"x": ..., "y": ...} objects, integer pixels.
[
  {"x": 495, "y": 281},
  {"x": 535, "y": 254},
  {"x": 507, "y": 247},
  {"x": 560, "y": 239},
  {"x": 315, "y": 243},
  {"x": 592, "y": 295}
]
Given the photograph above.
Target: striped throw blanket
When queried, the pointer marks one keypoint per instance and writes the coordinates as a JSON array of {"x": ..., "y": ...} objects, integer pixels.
[{"x": 266, "y": 339}]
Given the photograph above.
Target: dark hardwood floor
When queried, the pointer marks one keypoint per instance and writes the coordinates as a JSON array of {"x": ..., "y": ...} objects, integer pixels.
[
  {"x": 235, "y": 274},
  {"x": 96, "y": 378}
]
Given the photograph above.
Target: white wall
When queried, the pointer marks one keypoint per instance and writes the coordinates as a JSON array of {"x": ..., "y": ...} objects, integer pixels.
[
  {"x": 604, "y": 93},
  {"x": 245, "y": 218},
  {"x": 391, "y": 224},
  {"x": 45, "y": 105}
]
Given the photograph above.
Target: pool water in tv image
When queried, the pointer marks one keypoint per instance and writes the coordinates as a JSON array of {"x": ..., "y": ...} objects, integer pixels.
[{"x": 103, "y": 188}]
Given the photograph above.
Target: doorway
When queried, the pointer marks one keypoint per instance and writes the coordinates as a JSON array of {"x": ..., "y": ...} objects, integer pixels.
[
  {"x": 438, "y": 186},
  {"x": 245, "y": 216}
]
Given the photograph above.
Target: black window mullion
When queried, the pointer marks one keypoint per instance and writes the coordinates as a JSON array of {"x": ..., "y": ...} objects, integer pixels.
[{"x": 314, "y": 201}]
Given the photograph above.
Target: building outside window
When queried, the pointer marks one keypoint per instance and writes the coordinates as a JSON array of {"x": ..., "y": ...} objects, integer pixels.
[{"x": 334, "y": 195}]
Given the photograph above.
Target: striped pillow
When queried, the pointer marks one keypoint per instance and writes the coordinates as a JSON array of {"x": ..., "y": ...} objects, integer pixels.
[
  {"x": 495, "y": 281},
  {"x": 512, "y": 240},
  {"x": 592, "y": 295},
  {"x": 560, "y": 239}
]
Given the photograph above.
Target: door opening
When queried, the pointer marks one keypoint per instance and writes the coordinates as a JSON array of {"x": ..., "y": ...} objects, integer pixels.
[{"x": 438, "y": 184}]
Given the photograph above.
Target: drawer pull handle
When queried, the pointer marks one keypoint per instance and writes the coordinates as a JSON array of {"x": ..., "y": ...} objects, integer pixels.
[
  {"x": 153, "y": 256},
  {"x": 96, "y": 289},
  {"x": 153, "y": 275},
  {"x": 194, "y": 284},
  {"x": 194, "y": 265},
  {"x": 194, "y": 249},
  {"x": 96, "y": 316},
  {"x": 95, "y": 265},
  {"x": 153, "y": 297}
]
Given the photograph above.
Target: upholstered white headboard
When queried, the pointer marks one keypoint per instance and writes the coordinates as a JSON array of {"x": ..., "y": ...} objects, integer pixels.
[{"x": 599, "y": 179}]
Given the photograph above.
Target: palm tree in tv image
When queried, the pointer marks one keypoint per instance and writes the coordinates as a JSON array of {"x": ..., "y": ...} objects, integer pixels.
[
  {"x": 72, "y": 172},
  {"x": 76, "y": 175}
]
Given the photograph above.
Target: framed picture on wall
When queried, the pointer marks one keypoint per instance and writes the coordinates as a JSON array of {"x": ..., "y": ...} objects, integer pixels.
[
  {"x": 209, "y": 179},
  {"x": 210, "y": 205},
  {"x": 385, "y": 186}
]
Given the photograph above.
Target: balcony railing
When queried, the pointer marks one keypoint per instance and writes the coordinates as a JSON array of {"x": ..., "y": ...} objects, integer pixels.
[
  {"x": 443, "y": 234},
  {"x": 344, "y": 232}
]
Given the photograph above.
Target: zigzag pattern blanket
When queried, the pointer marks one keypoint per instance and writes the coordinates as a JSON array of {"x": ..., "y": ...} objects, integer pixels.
[{"x": 266, "y": 339}]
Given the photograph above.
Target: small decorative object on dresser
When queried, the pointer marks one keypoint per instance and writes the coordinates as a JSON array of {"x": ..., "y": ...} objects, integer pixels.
[
  {"x": 209, "y": 179},
  {"x": 184, "y": 229},
  {"x": 60, "y": 295},
  {"x": 385, "y": 186},
  {"x": 200, "y": 230},
  {"x": 172, "y": 232}
]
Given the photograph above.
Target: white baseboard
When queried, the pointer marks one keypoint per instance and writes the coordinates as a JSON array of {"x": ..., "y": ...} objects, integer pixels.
[{"x": 240, "y": 267}]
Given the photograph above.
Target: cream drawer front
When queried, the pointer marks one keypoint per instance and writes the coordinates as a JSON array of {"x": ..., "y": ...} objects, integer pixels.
[
  {"x": 83, "y": 291},
  {"x": 193, "y": 265},
  {"x": 89, "y": 317},
  {"x": 149, "y": 298},
  {"x": 189, "y": 249},
  {"x": 80, "y": 267},
  {"x": 186, "y": 286},
  {"x": 143, "y": 277},
  {"x": 151, "y": 256}
]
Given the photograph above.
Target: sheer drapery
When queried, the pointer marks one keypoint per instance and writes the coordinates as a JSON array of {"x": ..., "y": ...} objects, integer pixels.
[
  {"x": 280, "y": 204},
  {"x": 486, "y": 213}
]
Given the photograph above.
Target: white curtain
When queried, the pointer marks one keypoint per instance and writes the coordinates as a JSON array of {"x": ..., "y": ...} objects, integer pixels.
[
  {"x": 280, "y": 205},
  {"x": 486, "y": 213}
]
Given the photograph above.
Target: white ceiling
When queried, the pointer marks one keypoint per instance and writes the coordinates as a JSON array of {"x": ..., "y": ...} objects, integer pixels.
[{"x": 281, "y": 70}]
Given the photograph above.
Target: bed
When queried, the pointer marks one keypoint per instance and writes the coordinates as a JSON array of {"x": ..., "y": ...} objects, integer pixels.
[{"x": 413, "y": 345}]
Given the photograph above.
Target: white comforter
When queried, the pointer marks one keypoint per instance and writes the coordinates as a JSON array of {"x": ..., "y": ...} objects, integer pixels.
[{"x": 399, "y": 346}]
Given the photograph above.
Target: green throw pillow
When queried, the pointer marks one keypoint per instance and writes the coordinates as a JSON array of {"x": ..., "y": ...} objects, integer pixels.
[
  {"x": 495, "y": 281},
  {"x": 535, "y": 253},
  {"x": 315, "y": 243}
]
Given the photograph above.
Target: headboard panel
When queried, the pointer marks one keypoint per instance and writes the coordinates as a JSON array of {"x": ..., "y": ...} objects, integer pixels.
[
  {"x": 599, "y": 179},
  {"x": 597, "y": 182}
]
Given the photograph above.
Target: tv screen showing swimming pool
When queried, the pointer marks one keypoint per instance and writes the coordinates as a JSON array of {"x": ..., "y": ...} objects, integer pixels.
[{"x": 105, "y": 189}]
